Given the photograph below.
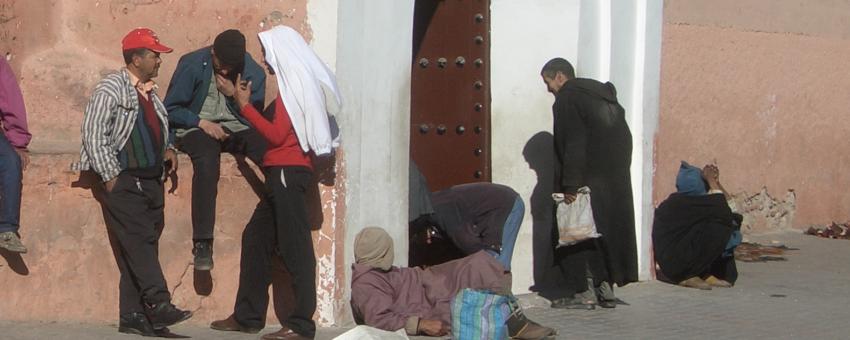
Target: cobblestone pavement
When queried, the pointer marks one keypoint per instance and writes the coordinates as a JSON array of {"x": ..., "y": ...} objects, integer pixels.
[{"x": 803, "y": 298}]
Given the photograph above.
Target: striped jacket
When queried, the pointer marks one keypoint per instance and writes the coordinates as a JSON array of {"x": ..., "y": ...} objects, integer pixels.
[{"x": 108, "y": 122}]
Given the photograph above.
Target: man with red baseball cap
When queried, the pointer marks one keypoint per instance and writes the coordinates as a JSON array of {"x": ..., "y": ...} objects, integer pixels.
[{"x": 126, "y": 142}]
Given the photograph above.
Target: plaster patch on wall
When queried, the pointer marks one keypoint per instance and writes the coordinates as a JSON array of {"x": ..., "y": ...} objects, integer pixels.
[
  {"x": 768, "y": 118},
  {"x": 330, "y": 281},
  {"x": 764, "y": 213}
]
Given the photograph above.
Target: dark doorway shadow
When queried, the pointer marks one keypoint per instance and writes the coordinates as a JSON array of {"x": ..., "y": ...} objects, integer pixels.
[
  {"x": 428, "y": 251},
  {"x": 539, "y": 153},
  {"x": 15, "y": 262},
  {"x": 424, "y": 11}
]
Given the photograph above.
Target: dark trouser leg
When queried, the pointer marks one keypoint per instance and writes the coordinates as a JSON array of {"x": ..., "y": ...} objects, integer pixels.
[
  {"x": 573, "y": 264},
  {"x": 295, "y": 242},
  {"x": 129, "y": 297},
  {"x": 205, "y": 153},
  {"x": 258, "y": 244},
  {"x": 10, "y": 186},
  {"x": 249, "y": 143},
  {"x": 134, "y": 218}
]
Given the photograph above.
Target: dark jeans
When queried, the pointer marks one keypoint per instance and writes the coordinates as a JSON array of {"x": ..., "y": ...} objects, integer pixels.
[
  {"x": 10, "y": 186},
  {"x": 134, "y": 217},
  {"x": 279, "y": 227},
  {"x": 205, "y": 153},
  {"x": 581, "y": 261}
]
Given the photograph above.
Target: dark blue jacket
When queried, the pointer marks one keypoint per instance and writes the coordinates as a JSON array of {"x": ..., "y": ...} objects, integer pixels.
[{"x": 190, "y": 84}]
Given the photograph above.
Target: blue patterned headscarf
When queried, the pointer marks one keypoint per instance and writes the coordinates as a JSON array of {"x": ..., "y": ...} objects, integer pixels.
[{"x": 689, "y": 180}]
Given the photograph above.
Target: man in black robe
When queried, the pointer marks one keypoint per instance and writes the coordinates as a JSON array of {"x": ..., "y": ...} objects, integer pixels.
[
  {"x": 593, "y": 146},
  {"x": 693, "y": 231}
]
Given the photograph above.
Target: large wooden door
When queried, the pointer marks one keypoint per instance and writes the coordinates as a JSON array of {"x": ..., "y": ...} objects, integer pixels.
[
  {"x": 450, "y": 91},
  {"x": 450, "y": 104}
]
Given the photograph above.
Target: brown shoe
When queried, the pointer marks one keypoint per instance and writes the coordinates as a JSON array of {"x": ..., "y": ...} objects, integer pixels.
[
  {"x": 230, "y": 324},
  {"x": 715, "y": 282},
  {"x": 695, "y": 282},
  {"x": 534, "y": 331},
  {"x": 521, "y": 327},
  {"x": 284, "y": 334}
]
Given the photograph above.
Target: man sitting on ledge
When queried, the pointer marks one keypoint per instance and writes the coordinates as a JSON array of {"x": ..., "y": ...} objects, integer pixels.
[
  {"x": 419, "y": 300},
  {"x": 695, "y": 232}
]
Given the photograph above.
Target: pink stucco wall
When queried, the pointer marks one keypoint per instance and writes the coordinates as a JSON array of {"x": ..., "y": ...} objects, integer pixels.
[
  {"x": 759, "y": 87},
  {"x": 59, "y": 50}
]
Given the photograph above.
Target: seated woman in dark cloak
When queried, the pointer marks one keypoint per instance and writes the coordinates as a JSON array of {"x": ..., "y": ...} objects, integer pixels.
[{"x": 695, "y": 231}]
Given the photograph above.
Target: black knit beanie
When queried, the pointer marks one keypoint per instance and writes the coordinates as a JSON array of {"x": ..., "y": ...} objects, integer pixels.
[{"x": 229, "y": 47}]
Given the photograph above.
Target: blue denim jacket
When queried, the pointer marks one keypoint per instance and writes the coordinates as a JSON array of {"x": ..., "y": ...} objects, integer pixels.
[{"x": 191, "y": 80}]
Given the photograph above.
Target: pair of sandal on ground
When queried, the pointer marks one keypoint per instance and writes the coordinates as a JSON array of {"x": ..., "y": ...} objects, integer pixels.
[
  {"x": 602, "y": 296},
  {"x": 705, "y": 284}
]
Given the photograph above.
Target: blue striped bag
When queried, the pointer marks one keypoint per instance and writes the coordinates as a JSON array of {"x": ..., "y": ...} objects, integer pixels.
[{"x": 480, "y": 315}]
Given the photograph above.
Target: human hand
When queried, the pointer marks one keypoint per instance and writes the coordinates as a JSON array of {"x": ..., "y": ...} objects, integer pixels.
[
  {"x": 24, "y": 154},
  {"x": 224, "y": 85},
  {"x": 110, "y": 184},
  {"x": 243, "y": 92},
  {"x": 433, "y": 327},
  {"x": 569, "y": 198},
  {"x": 710, "y": 172},
  {"x": 214, "y": 130},
  {"x": 170, "y": 158}
]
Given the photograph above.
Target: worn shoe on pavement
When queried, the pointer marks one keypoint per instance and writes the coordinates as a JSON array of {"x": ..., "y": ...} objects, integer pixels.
[
  {"x": 230, "y": 324},
  {"x": 605, "y": 296},
  {"x": 713, "y": 281},
  {"x": 521, "y": 327},
  {"x": 695, "y": 282},
  {"x": 12, "y": 242},
  {"x": 166, "y": 314},
  {"x": 203, "y": 251},
  {"x": 284, "y": 334},
  {"x": 135, "y": 323}
]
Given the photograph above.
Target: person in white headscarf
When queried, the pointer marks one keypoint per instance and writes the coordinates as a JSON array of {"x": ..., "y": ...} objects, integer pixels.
[
  {"x": 297, "y": 128},
  {"x": 307, "y": 86}
]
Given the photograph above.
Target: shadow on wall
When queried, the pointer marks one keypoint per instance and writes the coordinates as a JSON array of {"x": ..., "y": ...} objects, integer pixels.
[
  {"x": 15, "y": 262},
  {"x": 539, "y": 153},
  {"x": 203, "y": 284}
]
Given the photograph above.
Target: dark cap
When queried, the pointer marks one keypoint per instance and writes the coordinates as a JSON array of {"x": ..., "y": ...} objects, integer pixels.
[{"x": 229, "y": 48}]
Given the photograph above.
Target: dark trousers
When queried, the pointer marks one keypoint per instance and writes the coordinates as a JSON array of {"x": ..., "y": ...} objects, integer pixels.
[
  {"x": 205, "y": 153},
  {"x": 279, "y": 227},
  {"x": 581, "y": 261},
  {"x": 134, "y": 217},
  {"x": 10, "y": 186}
]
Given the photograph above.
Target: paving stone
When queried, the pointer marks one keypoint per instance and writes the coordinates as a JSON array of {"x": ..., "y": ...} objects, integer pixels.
[{"x": 804, "y": 297}]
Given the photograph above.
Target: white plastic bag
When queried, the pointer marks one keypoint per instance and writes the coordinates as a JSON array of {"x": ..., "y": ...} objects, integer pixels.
[{"x": 575, "y": 220}]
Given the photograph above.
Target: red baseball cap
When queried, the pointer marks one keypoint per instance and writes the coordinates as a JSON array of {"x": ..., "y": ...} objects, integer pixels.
[{"x": 143, "y": 38}]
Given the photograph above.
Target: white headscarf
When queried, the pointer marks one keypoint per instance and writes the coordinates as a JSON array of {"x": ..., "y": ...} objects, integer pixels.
[{"x": 307, "y": 87}]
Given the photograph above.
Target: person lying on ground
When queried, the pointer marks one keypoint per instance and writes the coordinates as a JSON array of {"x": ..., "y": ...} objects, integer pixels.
[
  {"x": 419, "y": 300},
  {"x": 695, "y": 231}
]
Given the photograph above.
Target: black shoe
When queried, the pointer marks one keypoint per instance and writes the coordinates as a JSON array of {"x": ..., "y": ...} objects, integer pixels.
[
  {"x": 607, "y": 303},
  {"x": 203, "y": 252},
  {"x": 166, "y": 314},
  {"x": 135, "y": 323},
  {"x": 573, "y": 303}
]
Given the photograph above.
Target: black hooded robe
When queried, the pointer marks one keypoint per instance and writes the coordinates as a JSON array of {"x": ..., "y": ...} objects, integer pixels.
[
  {"x": 593, "y": 146},
  {"x": 690, "y": 234}
]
